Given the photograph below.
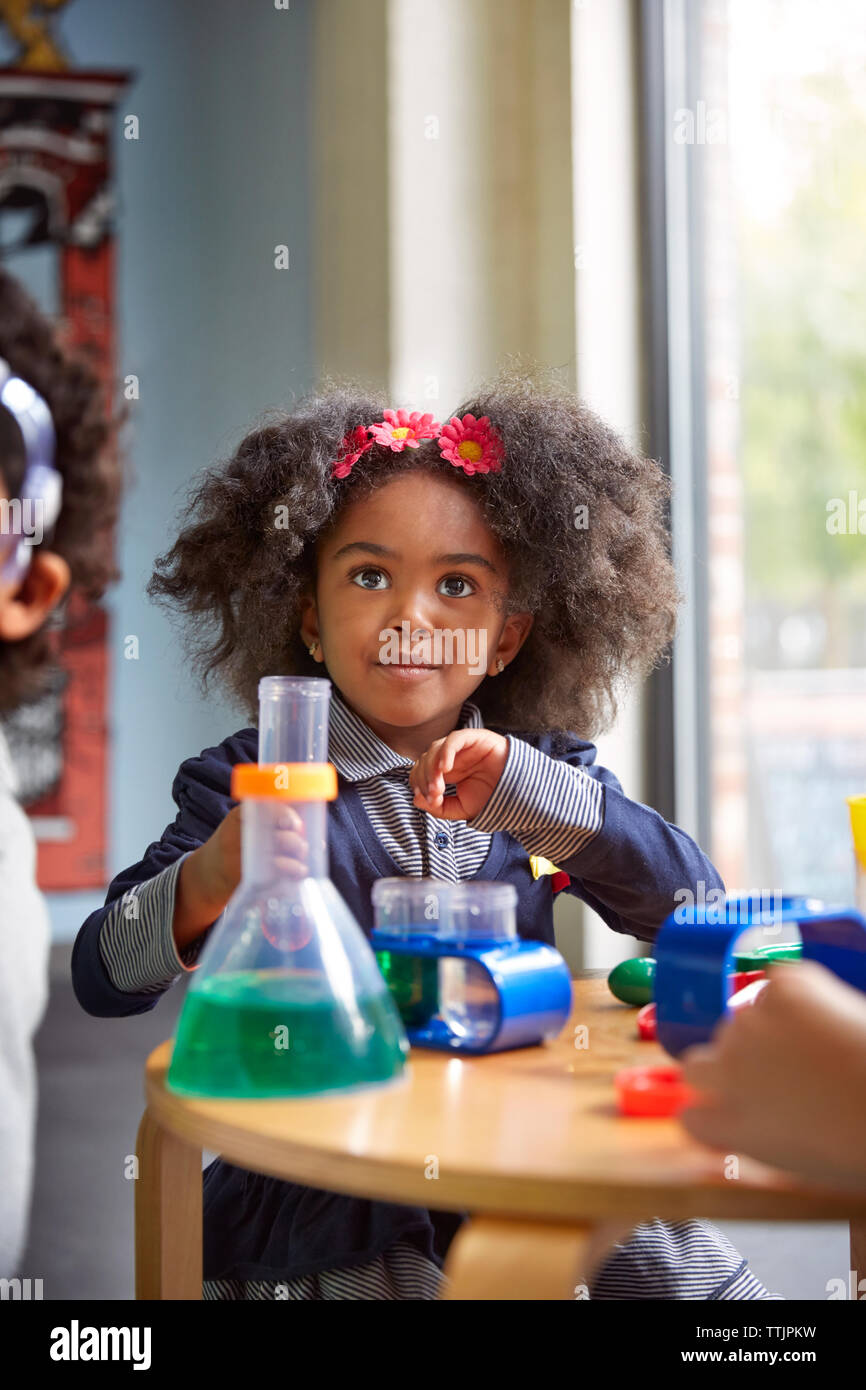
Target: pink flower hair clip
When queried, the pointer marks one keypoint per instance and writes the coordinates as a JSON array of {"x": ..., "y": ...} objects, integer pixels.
[{"x": 470, "y": 444}]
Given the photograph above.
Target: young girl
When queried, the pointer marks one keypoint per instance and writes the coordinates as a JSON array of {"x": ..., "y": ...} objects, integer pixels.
[{"x": 525, "y": 524}]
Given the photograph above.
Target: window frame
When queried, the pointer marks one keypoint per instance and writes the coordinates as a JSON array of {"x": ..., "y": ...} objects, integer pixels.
[{"x": 676, "y": 722}]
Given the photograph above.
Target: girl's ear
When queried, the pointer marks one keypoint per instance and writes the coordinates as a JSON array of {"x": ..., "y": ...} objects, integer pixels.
[
  {"x": 309, "y": 625},
  {"x": 25, "y": 609},
  {"x": 515, "y": 632}
]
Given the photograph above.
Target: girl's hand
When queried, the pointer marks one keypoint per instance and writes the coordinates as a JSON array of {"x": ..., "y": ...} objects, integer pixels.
[
  {"x": 210, "y": 875},
  {"x": 473, "y": 759},
  {"x": 220, "y": 856},
  {"x": 785, "y": 1080}
]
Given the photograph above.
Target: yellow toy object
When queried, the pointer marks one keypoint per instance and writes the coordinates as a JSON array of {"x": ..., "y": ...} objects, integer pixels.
[
  {"x": 541, "y": 866},
  {"x": 857, "y": 809}
]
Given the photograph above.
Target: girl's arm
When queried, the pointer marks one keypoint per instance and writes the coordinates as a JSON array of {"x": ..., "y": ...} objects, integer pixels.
[
  {"x": 126, "y": 954},
  {"x": 196, "y": 904},
  {"x": 624, "y": 859}
]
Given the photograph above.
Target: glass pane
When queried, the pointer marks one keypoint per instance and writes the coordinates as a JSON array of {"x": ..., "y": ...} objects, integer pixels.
[{"x": 784, "y": 230}]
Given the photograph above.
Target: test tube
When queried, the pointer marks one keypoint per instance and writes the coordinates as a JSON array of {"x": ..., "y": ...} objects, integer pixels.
[{"x": 293, "y": 719}]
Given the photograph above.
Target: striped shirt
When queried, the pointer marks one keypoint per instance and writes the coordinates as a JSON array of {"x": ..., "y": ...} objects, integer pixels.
[{"x": 553, "y": 809}]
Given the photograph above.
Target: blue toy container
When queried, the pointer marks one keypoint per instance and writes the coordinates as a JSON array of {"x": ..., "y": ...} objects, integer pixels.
[
  {"x": 461, "y": 977},
  {"x": 695, "y": 950}
]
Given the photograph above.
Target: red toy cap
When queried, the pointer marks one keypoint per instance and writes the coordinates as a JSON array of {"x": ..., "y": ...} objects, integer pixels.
[{"x": 658, "y": 1090}]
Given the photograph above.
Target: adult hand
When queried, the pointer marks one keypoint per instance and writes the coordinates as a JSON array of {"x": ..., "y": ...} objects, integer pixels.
[{"x": 785, "y": 1079}]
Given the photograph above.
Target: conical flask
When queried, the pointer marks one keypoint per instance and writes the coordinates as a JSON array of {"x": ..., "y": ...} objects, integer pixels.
[{"x": 288, "y": 999}]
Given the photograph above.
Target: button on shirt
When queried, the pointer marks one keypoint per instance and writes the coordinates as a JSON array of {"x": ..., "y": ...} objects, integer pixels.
[{"x": 421, "y": 845}]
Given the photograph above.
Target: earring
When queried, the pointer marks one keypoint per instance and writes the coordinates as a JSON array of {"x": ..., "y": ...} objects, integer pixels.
[
  {"x": 312, "y": 649},
  {"x": 500, "y": 665}
]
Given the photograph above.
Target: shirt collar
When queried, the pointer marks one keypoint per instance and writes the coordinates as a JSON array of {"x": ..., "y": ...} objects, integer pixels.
[{"x": 357, "y": 753}]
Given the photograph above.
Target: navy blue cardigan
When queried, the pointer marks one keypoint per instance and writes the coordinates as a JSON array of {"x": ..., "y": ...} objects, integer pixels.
[{"x": 259, "y": 1227}]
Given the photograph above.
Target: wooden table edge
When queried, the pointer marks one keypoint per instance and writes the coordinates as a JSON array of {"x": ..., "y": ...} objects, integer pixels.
[{"x": 502, "y": 1196}]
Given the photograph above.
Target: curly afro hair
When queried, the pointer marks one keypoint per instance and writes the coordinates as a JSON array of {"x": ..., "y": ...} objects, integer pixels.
[
  {"x": 599, "y": 582},
  {"x": 90, "y": 469}
]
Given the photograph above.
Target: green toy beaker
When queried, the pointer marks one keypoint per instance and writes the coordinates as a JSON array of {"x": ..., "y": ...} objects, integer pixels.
[{"x": 288, "y": 999}]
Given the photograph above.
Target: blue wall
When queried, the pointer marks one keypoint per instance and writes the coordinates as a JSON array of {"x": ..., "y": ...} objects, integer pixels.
[{"x": 219, "y": 176}]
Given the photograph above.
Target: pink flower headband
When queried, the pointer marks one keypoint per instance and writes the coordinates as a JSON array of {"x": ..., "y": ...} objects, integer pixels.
[{"x": 470, "y": 444}]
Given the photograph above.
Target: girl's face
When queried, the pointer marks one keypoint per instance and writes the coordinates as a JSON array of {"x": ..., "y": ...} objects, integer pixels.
[{"x": 413, "y": 560}]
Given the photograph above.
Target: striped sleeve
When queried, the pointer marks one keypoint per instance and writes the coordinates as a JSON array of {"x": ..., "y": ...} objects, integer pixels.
[
  {"x": 553, "y": 808},
  {"x": 623, "y": 859},
  {"x": 136, "y": 941}
]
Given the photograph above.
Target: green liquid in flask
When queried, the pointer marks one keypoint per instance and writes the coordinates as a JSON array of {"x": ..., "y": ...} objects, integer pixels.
[{"x": 281, "y": 1033}]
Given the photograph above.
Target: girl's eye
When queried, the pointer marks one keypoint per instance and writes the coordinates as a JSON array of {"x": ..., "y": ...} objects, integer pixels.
[
  {"x": 457, "y": 579},
  {"x": 361, "y": 576},
  {"x": 362, "y": 573}
]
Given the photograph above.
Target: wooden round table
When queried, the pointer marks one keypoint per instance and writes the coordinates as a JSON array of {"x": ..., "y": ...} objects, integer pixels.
[{"x": 530, "y": 1142}]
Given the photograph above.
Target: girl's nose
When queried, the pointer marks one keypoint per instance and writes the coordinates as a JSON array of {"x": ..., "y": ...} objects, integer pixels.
[
  {"x": 411, "y": 637},
  {"x": 413, "y": 631},
  {"x": 412, "y": 604},
  {"x": 418, "y": 623}
]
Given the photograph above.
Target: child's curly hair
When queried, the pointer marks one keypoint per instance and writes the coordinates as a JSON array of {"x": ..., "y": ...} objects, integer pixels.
[
  {"x": 604, "y": 597},
  {"x": 88, "y": 465}
]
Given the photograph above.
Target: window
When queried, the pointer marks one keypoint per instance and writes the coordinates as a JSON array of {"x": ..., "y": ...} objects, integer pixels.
[{"x": 762, "y": 299}]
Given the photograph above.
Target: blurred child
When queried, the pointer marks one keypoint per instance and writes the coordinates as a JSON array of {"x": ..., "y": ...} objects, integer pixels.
[{"x": 64, "y": 425}]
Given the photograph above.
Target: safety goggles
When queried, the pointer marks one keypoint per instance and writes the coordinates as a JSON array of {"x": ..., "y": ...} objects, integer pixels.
[{"x": 37, "y": 506}]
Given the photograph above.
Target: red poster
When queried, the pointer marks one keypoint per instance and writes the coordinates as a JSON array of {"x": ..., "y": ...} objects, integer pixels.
[{"x": 55, "y": 167}]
